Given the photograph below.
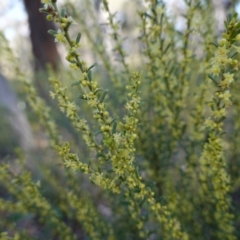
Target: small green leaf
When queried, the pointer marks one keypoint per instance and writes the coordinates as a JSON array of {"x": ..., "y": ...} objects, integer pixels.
[
  {"x": 152, "y": 184},
  {"x": 95, "y": 64},
  {"x": 234, "y": 54},
  {"x": 212, "y": 107},
  {"x": 52, "y": 32},
  {"x": 215, "y": 44},
  {"x": 43, "y": 10},
  {"x": 237, "y": 26},
  {"x": 103, "y": 96},
  {"x": 115, "y": 119},
  {"x": 222, "y": 119},
  {"x": 235, "y": 15},
  {"x": 75, "y": 83},
  {"x": 89, "y": 75},
  {"x": 225, "y": 24},
  {"x": 78, "y": 38},
  {"x": 114, "y": 127},
  {"x": 96, "y": 91},
  {"x": 63, "y": 12},
  {"x": 228, "y": 19},
  {"x": 72, "y": 61},
  {"x": 165, "y": 50},
  {"x": 136, "y": 173},
  {"x": 89, "y": 164},
  {"x": 211, "y": 77},
  {"x": 97, "y": 132}
]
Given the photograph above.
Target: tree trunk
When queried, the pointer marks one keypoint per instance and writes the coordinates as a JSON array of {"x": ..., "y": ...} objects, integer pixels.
[{"x": 43, "y": 46}]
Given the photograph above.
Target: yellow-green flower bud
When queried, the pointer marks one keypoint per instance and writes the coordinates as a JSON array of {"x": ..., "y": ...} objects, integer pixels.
[
  {"x": 222, "y": 42},
  {"x": 49, "y": 17}
]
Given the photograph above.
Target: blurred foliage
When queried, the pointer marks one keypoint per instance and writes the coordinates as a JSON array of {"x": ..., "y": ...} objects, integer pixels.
[
  {"x": 155, "y": 123},
  {"x": 8, "y": 137}
]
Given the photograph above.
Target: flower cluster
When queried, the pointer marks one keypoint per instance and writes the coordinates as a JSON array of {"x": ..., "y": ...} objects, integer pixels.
[
  {"x": 213, "y": 165},
  {"x": 28, "y": 195},
  {"x": 148, "y": 150}
]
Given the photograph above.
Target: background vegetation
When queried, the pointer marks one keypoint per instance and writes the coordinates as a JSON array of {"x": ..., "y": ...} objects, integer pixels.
[{"x": 133, "y": 135}]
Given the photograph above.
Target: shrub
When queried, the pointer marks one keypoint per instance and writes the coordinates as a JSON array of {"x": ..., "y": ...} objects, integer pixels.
[{"x": 159, "y": 155}]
